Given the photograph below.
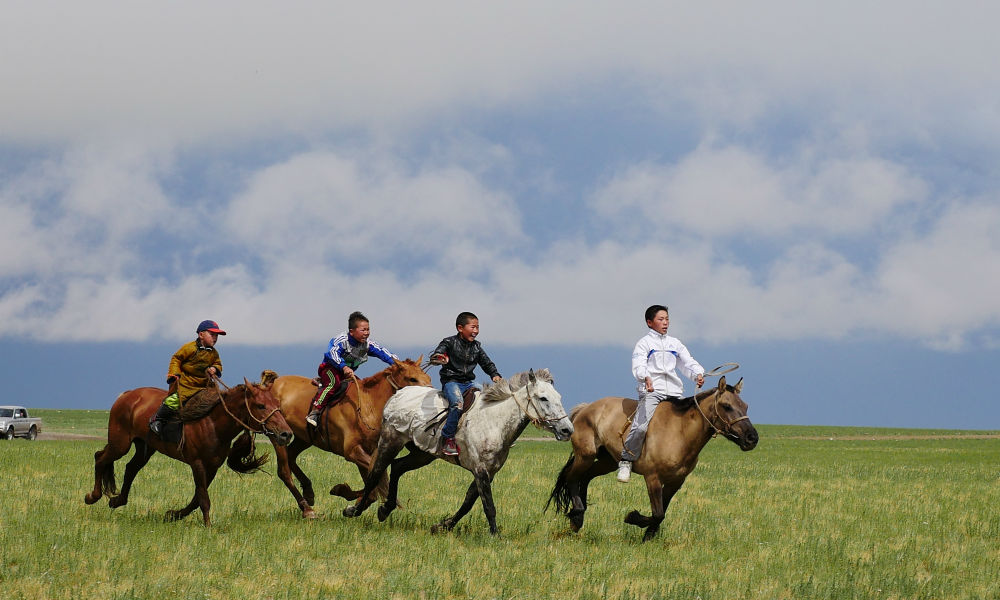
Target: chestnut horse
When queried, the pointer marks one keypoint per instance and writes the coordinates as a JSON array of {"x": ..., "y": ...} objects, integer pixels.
[
  {"x": 677, "y": 433},
  {"x": 247, "y": 408},
  {"x": 349, "y": 428}
]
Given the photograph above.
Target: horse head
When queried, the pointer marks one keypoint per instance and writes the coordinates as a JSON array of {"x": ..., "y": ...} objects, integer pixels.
[
  {"x": 547, "y": 404},
  {"x": 408, "y": 372},
  {"x": 264, "y": 410},
  {"x": 729, "y": 415}
]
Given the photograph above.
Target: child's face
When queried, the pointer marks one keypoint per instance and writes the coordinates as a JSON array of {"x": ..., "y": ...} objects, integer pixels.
[
  {"x": 361, "y": 332},
  {"x": 660, "y": 322},
  {"x": 470, "y": 330},
  {"x": 208, "y": 338}
]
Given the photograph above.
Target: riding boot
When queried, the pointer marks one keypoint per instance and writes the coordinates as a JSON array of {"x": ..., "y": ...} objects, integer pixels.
[
  {"x": 313, "y": 417},
  {"x": 163, "y": 414}
]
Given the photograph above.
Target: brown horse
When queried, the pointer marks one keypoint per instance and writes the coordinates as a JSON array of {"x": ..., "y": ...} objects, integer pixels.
[
  {"x": 677, "y": 433},
  {"x": 349, "y": 428},
  {"x": 247, "y": 408}
]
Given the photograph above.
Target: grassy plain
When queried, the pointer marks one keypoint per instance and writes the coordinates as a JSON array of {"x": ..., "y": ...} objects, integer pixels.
[{"x": 813, "y": 512}]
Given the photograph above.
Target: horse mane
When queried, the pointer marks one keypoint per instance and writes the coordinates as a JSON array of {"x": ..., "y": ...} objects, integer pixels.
[
  {"x": 576, "y": 410},
  {"x": 686, "y": 404},
  {"x": 504, "y": 388}
]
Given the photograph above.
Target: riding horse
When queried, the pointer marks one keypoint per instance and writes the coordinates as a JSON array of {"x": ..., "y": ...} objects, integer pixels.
[
  {"x": 348, "y": 428},
  {"x": 213, "y": 418},
  {"x": 677, "y": 433},
  {"x": 485, "y": 434}
]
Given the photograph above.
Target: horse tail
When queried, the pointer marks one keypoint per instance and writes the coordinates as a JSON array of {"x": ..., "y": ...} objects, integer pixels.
[
  {"x": 576, "y": 410},
  {"x": 106, "y": 474},
  {"x": 560, "y": 493},
  {"x": 243, "y": 457}
]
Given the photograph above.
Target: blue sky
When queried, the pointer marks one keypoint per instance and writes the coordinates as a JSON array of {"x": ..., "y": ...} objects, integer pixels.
[{"x": 814, "y": 195}]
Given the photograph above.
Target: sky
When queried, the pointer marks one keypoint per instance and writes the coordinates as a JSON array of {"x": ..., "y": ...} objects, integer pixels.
[{"x": 812, "y": 188}]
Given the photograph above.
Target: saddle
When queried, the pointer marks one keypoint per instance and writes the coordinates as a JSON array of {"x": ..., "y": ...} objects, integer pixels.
[{"x": 468, "y": 398}]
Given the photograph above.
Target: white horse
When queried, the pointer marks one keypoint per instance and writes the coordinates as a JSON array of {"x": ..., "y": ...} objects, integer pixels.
[{"x": 485, "y": 434}]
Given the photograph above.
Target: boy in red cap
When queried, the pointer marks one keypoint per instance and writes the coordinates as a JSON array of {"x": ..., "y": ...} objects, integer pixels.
[{"x": 191, "y": 368}]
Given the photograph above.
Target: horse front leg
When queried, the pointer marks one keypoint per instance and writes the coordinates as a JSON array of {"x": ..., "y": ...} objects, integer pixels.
[
  {"x": 471, "y": 495},
  {"x": 484, "y": 482},
  {"x": 285, "y": 457},
  {"x": 202, "y": 478},
  {"x": 657, "y": 493},
  {"x": 142, "y": 455},
  {"x": 363, "y": 461}
]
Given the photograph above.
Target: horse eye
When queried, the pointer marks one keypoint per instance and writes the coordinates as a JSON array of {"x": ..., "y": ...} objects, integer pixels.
[
  {"x": 261, "y": 407},
  {"x": 543, "y": 399},
  {"x": 726, "y": 406}
]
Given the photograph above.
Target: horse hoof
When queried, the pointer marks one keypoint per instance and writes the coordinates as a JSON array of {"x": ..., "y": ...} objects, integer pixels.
[
  {"x": 350, "y": 511},
  {"x": 171, "y": 515},
  {"x": 116, "y": 501},
  {"x": 91, "y": 498},
  {"x": 309, "y": 514},
  {"x": 384, "y": 512},
  {"x": 344, "y": 491},
  {"x": 636, "y": 518},
  {"x": 650, "y": 534}
]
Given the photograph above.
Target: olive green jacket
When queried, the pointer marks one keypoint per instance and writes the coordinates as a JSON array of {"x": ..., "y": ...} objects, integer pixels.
[{"x": 189, "y": 364}]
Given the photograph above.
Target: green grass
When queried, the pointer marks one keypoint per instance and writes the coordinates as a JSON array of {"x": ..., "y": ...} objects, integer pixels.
[
  {"x": 802, "y": 516},
  {"x": 81, "y": 422}
]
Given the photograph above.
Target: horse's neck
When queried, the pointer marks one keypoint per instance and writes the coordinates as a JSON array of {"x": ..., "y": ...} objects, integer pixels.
[
  {"x": 377, "y": 389},
  {"x": 503, "y": 418},
  {"x": 225, "y": 416}
]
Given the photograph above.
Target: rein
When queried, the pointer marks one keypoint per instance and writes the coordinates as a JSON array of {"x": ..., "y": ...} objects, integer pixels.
[
  {"x": 246, "y": 402},
  {"x": 361, "y": 396},
  {"x": 729, "y": 433},
  {"x": 536, "y": 421}
]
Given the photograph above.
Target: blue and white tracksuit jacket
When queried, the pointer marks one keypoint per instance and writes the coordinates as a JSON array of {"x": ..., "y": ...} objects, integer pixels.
[
  {"x": 656, "y": 356},
  {"x": 345, "y": 351}
]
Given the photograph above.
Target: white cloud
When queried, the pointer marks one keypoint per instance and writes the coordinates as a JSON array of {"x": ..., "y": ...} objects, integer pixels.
[
  {"x": 199, "y": 71},
  {"x": 732, "y": 189}
]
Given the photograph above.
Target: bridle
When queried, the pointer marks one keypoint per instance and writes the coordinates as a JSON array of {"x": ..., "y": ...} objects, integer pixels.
[
  {"x": 729, "y": 432},
  {"x": 246, "y": 401},
  {"x": 537, "y": 420}
]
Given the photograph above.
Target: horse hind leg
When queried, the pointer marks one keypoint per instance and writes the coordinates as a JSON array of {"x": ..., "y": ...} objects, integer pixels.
[
  {"x": 142, "y": 455},
  {"x": 388, "y": 447},
  {"x": 412, "y": 461},
  {"x": 104, "y": 476}
]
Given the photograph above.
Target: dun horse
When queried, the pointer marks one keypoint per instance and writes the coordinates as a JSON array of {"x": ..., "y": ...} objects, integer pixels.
[
  {"x": 485, "y": 434},
  {"x": 348, "y": 428},
  {"x": 213, "y": 419},
  {"x": 676, "y": 435}
]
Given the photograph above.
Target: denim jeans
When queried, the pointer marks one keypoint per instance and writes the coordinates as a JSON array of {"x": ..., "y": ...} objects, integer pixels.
[{"x": 453, "y": 391}]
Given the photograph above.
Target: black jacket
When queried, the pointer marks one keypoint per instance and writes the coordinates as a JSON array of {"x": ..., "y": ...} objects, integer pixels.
[{"x": 463, "y": 357}]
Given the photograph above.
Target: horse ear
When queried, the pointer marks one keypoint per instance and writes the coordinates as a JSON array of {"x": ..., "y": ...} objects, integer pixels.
[
  {"x": 722, "y": 384},
  {"x": 247, "y": 383},
  {"x": 738, "y": 386},
  {"x": 531, "y": 376},
  {"x": 420, "y": 359}
]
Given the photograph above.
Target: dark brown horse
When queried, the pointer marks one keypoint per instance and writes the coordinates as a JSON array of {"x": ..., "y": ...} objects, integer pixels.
[
  {"x": 349, "y": 428},
  {"x": 677, "y": 433},
  {"x": 247, "y": 408}
]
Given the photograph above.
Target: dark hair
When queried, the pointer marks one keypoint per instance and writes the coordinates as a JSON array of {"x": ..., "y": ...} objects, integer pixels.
[
  {"x": 652, "y": 310},
  {"x": 355, "y": 318},
  {"x": 463, "y": 319}
]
